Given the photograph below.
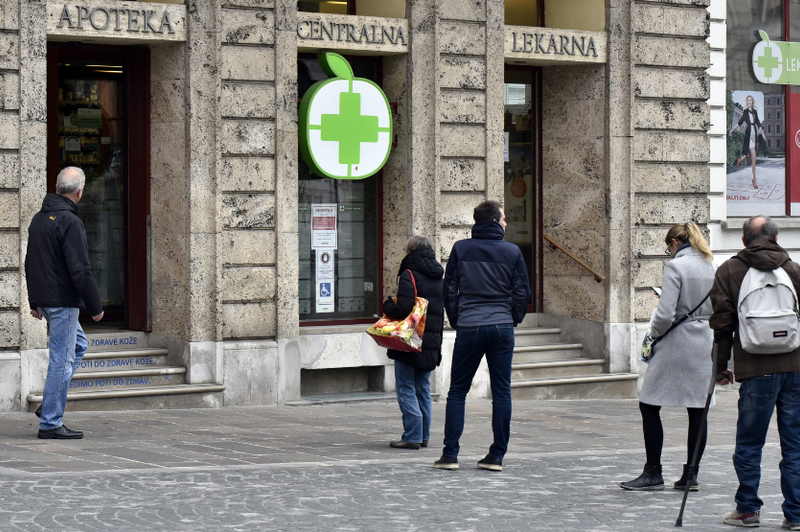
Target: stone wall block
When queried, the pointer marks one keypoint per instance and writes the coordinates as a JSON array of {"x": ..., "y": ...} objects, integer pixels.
[
  {"x": 10, "y": 91},
  {"x": 665, "y": 114},
  {"x": 666, "y": 51},
  {"x": 573, "y": 119},
  {"x": 167, "y": 101},
  {"x": 456, "y": 209},
  {"x": 690, "y": 147},
  {"x": 242, "y": 26},
  {"x": 247, "y": 137},
  {"x": 251, "y": 283},
  {"x": 658, "y": 209},
  {"x": 244, "y": 211},
  {"x": 247, "y": 174},
  {"x": 462, "y": 141},
  {"x": 9, "y": 250},
  {"x": 168, "y": 62},
  {"x": 649, "y": 272},
  {"x": 462, "y": 175},
  {"x": 240, "y": 247},
  {"x": 461, "y": 38},
  {"x": 9, "y": 329},
  {"x": 574, "y": 296},
  {"x": 587, "y": 244},
  {"x": 9, "y": 210},
  {"x": 667, "y": 83},
  {"x": 9, "y": 51},
  {"x": 643, "y": 304},
  {"x": 669, "y": 20},
  {"x": 670, "y": 178},
  {"x": 451, "y": 235},
  {"x": 248, "y": 320},
  {"x": 168, "y": 153},
  {"x": 9, "y": 177},
  {"x": 247, "y": 63},
  {"x": 249, "y": 3},
  {"x": 9, "y": 16},
  {"x": 462, "y": 72},
  {"x": 462, "y": 107},
  {"x": 9, "y": 289},
  {"x": 9, "y": 131},
  {"x": 463, "y": 10},
  {"x": 573, "y": 83},
  {"x": 246, "y": 100}
]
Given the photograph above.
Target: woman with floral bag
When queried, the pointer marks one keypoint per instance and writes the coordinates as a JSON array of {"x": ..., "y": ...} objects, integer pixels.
[{"x": 420, "y": 275}]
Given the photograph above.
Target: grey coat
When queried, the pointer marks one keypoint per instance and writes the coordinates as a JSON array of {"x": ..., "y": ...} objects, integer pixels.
[{"x": 680, "y": 370}]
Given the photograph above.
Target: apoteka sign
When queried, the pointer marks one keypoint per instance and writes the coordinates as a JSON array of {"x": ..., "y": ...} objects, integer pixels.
[
  {"x": 345, "y": 123},
  {"x": 776, "y": 62}
]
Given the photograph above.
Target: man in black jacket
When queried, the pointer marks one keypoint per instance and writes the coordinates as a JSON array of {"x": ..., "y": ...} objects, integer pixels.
[
  {"x": 486, "y": 294},
  {"x": 60, "y": 282}
]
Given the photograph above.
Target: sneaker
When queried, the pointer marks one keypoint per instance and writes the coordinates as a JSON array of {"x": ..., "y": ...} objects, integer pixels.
[
  {"x": 737, "y": 518},
  {"x": 790, "y": 525},
  {"x": 404, "y": 445},
  {"x": 446, "y": 462},
  {"x": 491, "y": 463}
]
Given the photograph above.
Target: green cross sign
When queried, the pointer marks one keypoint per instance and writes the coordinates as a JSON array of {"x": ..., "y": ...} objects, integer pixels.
[
  {"x": 767, "y": 62},
  {"x": 349, "y": 128}
]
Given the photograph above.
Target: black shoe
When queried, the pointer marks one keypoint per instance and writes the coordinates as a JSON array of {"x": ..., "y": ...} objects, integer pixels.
[
  {"x": 60, "y": 433},
  {"x": 38, "y": 411},
  {"x": 404, "y": 445},
  {"x": 650, "y": 479},
  {"x": 680, "y": 484},
  {"x": 446, "y": 462},
  {"x": 491, "y": 463},
  {"x": 424, "y": 443}
]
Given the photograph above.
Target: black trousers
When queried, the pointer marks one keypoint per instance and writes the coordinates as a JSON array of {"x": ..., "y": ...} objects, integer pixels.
[{"x": 654, "y": 432}]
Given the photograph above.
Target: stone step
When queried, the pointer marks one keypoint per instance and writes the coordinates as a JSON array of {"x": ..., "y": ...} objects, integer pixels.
[
  {"x": 547, "y": 352},
  {"x": 116, "y": 340},
  {"x": 557, "y": 369},
  {"x": 604, "y": 386},
  {"x": 349, "y": 398},
  {"x": 142, "y": 398},
  {"x": 124, "y": 379},
  {"x": 536, "y": 336},
  {"x": 123, "y": 359}
]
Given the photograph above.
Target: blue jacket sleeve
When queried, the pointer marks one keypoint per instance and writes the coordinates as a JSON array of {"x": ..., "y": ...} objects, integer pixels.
[
  {"x": 405, "y": 299},
  {"x": 521, "y": 291},
  {"x": 450, "y": 289}
]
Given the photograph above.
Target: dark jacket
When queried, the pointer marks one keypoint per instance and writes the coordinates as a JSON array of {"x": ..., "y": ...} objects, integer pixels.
[
  {"x": 763, "y": 254},
  {"x": 428, "y": 276},
  {"x": 486, "y": 282},
  {"x": 755, "y": 123},
  {"x": 57, "y": 263}
]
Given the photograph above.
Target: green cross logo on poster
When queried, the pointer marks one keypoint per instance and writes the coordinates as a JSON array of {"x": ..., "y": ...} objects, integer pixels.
[
  {"x": 776, "y": 62},
  {"x": 345, "y": 123}
]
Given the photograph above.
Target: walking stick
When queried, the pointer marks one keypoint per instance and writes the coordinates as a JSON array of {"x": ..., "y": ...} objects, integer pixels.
[{"x": 695, "y": 458}]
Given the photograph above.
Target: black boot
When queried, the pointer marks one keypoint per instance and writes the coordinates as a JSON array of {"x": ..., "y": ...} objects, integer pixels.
[
  {"x": 680, "y": 484},
  {"x": 650, "y": 479}
]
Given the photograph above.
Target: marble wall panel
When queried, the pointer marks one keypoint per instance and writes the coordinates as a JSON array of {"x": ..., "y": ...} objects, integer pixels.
[
  {"x": 167, "y": 101},
  {"x": 669, "y": 83},
  {"x": 683, "y": 147},
  {"x": 588, "y": 245},
  {"x": 643, "y": 304},
  {"x": 574, "y": 205},
  {"x": 462, "y": 175},
  {"x": 574, "y": 118},
  {"x": 248, "y": 137},
  {"x": 9, "y": 177},
  {"x": 649, "y": 272},
  {"x": 251, "y": 374},
  {"x": 244, "y": 26},
  {"x": 168, "y": 150},
  {"x": 462, "y": 72},
  {"x": 9, "y": 329},
  {"x": 451, "y": 235},
  {"x": 9, "y": 289},
  {"x": 573, "y": 83},
  {"x": 168, "y": 61},
  {"x": 9, "y": 16},
  {"x": 9, "y": 210},
  {"x": 461, "y": 38},
  {"x": 463, "y": 9},
  {"x": 9, "y": 131},
  {"x": 462, "y": 141},
  {"x": 467, "y": 107},
  {"x": 669, "y": 178},
  {"x": 247, "y": 283},
  {"x": 247, "y": 100},
  {"x": 456, "y": 209},
  {"x": 648, "y": 241},
  {"x": 247, "y": 247},
  {"x": 247, "y": 63},
  {"x": 10, "y": 379},
  {"x": 674, "y": 115},
  {"x": 573, "y": 159},
  {"x": 247, "y": 174},
  {"x": 668, "y": 20},
  {"x": 10, "y": 91},
  {"x": 9, "y": 249},
  {"x": 668, "y": 51},
  {"x": 662, "y": 209},
  {"x": 248, "y": 320},
  {"x": 247, "y": 211},
  {"x": 9, "y": 51},
  {"x": 574, "y": 296}
]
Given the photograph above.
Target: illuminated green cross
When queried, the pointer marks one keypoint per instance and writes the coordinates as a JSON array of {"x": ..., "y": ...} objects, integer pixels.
[
  {"x": 349, "y": 128},
  {"x": 768, "y": 62}
]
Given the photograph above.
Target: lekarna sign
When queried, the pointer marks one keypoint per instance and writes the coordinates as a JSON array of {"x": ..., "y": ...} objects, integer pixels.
[{"x": 776, "y": 62}]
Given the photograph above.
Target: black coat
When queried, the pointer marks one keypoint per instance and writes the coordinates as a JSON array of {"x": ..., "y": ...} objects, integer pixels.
[
  {"x": 57, "y": 263},
  {"x": 755, "y": 123},
  {"x": 428, "y": 277}
]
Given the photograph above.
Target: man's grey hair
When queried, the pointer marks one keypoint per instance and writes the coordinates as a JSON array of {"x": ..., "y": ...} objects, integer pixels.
[
  {"x": 417, "y": 242},
  {"x": 70, "y": 180},
  {"x": 768, "y": 228}
]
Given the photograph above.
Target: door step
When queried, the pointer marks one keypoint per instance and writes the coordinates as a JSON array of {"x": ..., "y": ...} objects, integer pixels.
[
  {"x": 604, "y": 386},
  {"x": 557, "y": 369},
  {"x": 349, "y": 398},
  {"x": 142, "y": 398}
]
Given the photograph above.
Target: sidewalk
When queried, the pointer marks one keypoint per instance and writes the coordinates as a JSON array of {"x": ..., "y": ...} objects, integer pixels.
[{"x": 330, "y": 468}]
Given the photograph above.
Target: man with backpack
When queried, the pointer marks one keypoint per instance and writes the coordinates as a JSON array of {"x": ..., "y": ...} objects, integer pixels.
[{"x": 755, "y": 296}]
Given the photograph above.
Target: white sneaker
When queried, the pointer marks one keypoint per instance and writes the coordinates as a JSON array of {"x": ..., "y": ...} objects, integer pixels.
[
  {"x": 737, "y": 518},
  {"x": 789, "y": 525}
]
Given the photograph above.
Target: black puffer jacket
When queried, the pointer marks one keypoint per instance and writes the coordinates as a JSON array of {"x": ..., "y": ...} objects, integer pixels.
[
  {"x": 428, "y": 277},
  {"x": 57, "y": 263}
]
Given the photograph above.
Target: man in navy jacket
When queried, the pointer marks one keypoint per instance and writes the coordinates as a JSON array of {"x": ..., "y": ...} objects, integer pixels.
[{"x": 486, "y": 294}]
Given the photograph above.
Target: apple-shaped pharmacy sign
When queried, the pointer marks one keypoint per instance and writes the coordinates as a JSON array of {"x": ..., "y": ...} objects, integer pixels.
[
  {"x": 345, "y": 123},
  {"x": 767, "y": 60}
]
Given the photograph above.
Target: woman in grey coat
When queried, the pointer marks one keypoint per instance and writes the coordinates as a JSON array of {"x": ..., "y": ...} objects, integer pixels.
[{"x": 680, "y": 368}]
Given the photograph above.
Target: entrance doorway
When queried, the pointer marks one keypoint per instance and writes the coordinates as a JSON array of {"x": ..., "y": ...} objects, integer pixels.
[
  {"x": 98, "y": 119},
  {"x": 522, "y": 179}
]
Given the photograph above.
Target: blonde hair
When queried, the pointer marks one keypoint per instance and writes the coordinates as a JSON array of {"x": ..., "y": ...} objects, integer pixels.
[
  {"x": 689, "y": 232},
  {"x": 755, "y": 107}
]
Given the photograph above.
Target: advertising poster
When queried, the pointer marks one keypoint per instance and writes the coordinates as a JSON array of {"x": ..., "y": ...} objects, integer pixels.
[
  {"x": 323, "y": 225},
  {"x": 756, "y": 153}
]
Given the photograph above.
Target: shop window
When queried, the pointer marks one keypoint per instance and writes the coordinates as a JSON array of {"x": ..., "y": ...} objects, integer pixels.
[
  {"x": 339, "y": 7},
  {"x": 340, "y": 282},
  {"x": 366, "y": 8},
  {"x": 522, "y": 12}
]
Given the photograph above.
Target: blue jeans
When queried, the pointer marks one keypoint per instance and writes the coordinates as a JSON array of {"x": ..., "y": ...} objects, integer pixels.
[
  {"x": 414, "y": 398},
  {"x": 68, "y": 344},
  {"x": 497, "y": 343},
  {"x": 758, "y": 397}
]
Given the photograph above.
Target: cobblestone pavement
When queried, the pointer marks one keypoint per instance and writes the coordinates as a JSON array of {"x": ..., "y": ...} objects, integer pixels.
[{"x": 330, "y": 468}]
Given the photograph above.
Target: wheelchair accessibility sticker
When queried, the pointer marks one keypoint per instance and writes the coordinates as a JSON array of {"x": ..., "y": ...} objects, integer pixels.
[{"x": 324, "y": 297}]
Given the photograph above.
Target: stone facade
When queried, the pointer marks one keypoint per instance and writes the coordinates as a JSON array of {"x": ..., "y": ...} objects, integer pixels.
[{"x": 624, "y": 156}]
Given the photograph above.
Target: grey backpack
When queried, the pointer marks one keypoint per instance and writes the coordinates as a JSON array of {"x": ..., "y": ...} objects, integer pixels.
[{"x": 769, "y": 317}]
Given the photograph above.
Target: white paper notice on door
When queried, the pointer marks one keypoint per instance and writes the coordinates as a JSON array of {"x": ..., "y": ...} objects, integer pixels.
[
  {"x": 324, "y": 265},
  {"x": 323, "y": 226}
]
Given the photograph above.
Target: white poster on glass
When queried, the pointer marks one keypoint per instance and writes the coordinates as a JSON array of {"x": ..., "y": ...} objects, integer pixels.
[{"x": 323, "y": 225}]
